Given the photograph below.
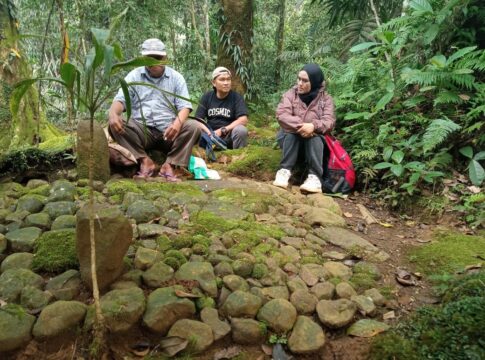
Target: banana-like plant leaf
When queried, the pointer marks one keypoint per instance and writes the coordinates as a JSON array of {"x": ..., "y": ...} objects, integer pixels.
[
  {"x": 69, "y": 74},
  {"x": 108, "y": 60},
  {"x": 138, "y": 61},
  {"x": 117, "y": 51},
  {"x": 126, "y": 93},
  {"x": 100, "y": 37},
  {"x": 165, "y": 92}
]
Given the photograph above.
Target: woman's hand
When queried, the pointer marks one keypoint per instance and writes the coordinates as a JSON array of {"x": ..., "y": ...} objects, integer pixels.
[{"x": 306, "y": 130}]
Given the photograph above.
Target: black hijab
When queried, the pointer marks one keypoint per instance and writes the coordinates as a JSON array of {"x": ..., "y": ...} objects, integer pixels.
[{"x": 315, "y": 75}]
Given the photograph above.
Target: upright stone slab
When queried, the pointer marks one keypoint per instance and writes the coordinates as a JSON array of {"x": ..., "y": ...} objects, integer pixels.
[
  {"x": 101, "y": 170},
  {"x": 113, "y": 234}
]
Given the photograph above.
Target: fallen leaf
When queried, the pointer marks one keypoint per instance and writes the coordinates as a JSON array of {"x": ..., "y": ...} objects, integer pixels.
[
  {"x": 464, "y": 97},
  {"x": 183, "y": 294},
  {"x": 172, "y": 345},
  {"x": 473, "y": 267},
  {"x": 386, "y": 225},
  {"x": 348, "y": 215},
  {"x": 367, "y": 328},
  {"x": 389, "y": 315},
  {"x": 474, "y": 189},
  {"x": 410, "y": 223},
  {"x": 400, "y": 236},
  {"x": 227, "y": 353},
  {"x": 423, "y": 241},
  {"x": 368, "y": 217}
]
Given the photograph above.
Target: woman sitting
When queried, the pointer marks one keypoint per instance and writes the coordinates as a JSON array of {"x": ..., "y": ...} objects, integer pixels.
[{"x": 305, "y": 112}]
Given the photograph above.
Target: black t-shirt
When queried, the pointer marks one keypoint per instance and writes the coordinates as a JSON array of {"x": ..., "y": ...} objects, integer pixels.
[{"x": 221, "y": 112}]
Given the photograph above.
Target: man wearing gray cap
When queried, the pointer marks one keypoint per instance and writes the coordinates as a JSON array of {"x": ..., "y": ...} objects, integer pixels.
[
  {"x": 158, "y": 119},
  {"x": 225, "y": 110}
]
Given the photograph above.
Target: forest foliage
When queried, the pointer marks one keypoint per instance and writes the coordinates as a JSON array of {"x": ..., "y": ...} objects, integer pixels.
[{"x": 406, "y": 76}]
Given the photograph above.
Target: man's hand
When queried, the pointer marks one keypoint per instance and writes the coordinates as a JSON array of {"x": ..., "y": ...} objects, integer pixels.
[
  {"x": 116, "y": 123},
  {"x": 173, "y": 130},
  {"x": 305, "y": 130},
  {"x": 115, "y": 120},
  {"x": 218, "y": 132}
]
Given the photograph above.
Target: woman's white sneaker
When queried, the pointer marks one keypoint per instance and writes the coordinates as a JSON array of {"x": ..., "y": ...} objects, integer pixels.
[
  {"x": 312, "y": 184},
  {"x": 282, "y": 178}
]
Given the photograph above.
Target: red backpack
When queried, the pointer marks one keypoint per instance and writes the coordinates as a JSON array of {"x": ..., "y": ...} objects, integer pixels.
[{"x": 338, "y": 170}]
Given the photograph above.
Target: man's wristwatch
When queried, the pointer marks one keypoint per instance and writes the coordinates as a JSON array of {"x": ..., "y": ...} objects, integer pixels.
[{"x": 224, "y": 131}]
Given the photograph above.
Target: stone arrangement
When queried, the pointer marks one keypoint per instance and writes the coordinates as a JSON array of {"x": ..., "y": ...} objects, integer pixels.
[{"x": 199, "y": 260}]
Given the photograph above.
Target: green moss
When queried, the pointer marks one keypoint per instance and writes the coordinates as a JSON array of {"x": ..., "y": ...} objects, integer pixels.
[
  {"x": 362, "y": 281},
  {"x": 254, "y": 161},
  {"x": 199, "y": 249},
  {"x": 120, "y": 187},
  {"x": 41, "y": 190},
  {"x": 310, "y": 260},
  {"x": 202, "y": 240},
  {"x": 174, "y": 263},
  {"x": 58, "y": 144},
  {"x": 205, "y": 302},
  {"x": 393, "y": 346},
  {"x": 448, "y": 253},
  {"x": 55, "y": 251},
  {"x": 335, "y": 280},
  {"x": 168, "y": 189},
  {"x": 163, "y": 243},
  {"x": 182, "y": 241},
  {"x": 177, "y": 255},
  {"x": 262, "y": 249},
  {"x": 259, "y": 271},
  {"x": 244, "y": 197}
]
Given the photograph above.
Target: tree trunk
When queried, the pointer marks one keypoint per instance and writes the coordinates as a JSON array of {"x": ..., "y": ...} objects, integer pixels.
[
  {"x": 20, "y": 129},
  {"x": 235, "y": 47},
  {"x": 280, "y": 32}
]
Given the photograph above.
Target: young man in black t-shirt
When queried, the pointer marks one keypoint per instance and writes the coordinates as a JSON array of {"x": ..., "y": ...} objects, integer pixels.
[{"x": 225, "y": 110}]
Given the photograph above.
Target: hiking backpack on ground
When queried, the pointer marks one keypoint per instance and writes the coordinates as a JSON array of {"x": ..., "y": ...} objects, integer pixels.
[{"x": 338, "y": 170}]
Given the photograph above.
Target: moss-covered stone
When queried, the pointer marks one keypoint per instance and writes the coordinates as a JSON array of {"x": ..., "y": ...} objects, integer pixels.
[
  {"x": 55, "y": 251},
  {"x": 121, "y": 187},
  {"x": 254, "y": 161},
  {"x": 259, "y": 271},
  {"x": 448, "y": 253}
]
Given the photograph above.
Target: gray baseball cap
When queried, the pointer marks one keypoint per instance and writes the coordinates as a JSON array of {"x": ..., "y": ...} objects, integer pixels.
[
  {"x": 153, "y": 47},
  {"x": 219, "y": 71}
]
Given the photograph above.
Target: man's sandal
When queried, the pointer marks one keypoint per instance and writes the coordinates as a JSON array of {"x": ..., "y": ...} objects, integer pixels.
[
  {"x": 169, "y": 177},
  {"x": 143, "y": 174}
]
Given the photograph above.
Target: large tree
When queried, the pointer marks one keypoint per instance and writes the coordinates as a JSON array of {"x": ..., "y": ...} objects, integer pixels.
[
  {"x": 236, "y": 41},
  {"x": 30, "y": 125}
]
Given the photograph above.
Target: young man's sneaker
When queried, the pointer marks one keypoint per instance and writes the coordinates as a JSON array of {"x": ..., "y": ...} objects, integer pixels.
[
  {"x": 282, "y": 177},
  {"x": 312, "y": 184}
]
